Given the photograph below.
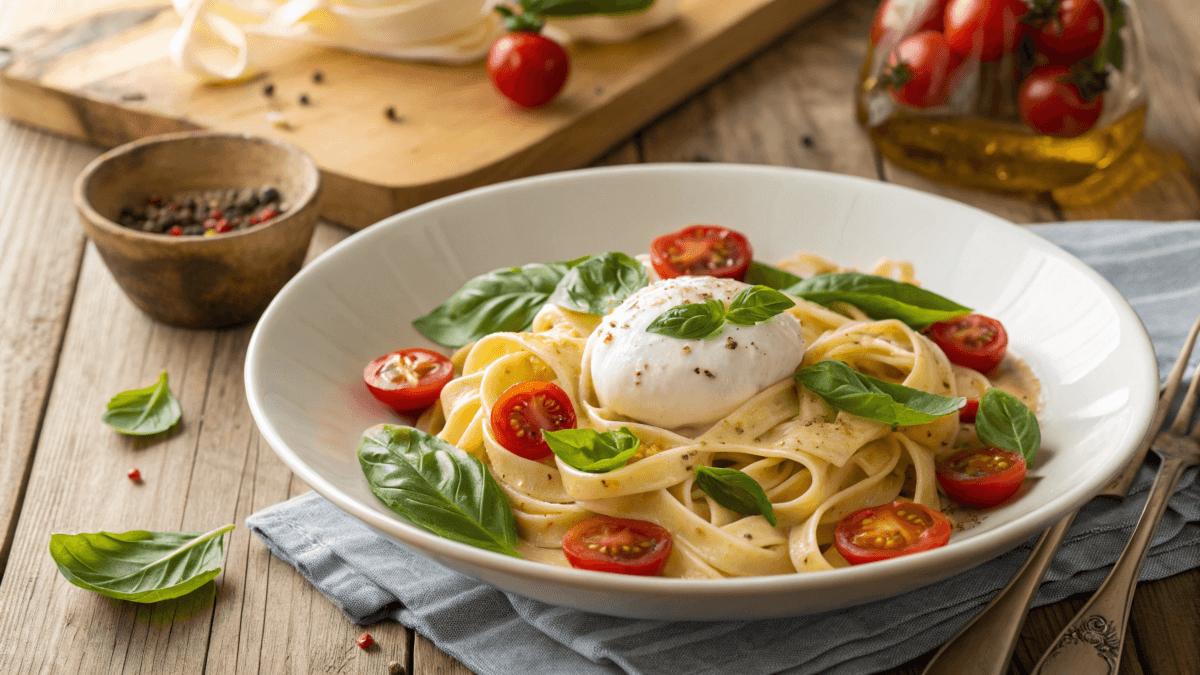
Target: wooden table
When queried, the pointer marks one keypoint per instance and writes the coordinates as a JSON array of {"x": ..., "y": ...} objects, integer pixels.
[{"x": 69, "y": 339}]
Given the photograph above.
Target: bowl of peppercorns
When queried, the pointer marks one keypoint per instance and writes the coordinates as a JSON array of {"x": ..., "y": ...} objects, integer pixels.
[{"x": 201, "y": 229}]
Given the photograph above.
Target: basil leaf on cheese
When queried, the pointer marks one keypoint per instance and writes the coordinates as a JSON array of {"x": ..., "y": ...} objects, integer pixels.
[
  {"x": 438, "y": 487},
  {"x": 694, "y": 321},
  {"x": 1003, "y": 421},
  {"x": 736, "y": 491},
  {"x": 880, "y": 297},
  {"x": 503, "y": 300},
  {"x": 600, "y": 283},
  {"x": 846, "y": 389},
  {"x": 756, "y": 305},
  {"x": 592, "y": 451},
  {"x": 762, "y": 274}
]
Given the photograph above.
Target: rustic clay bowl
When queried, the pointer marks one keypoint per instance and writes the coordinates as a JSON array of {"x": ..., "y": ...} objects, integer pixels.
[{"x": 192, "y": 281}]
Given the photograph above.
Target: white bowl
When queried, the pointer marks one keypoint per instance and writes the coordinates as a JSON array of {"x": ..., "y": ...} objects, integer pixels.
[{"x": 357, "y": 301}]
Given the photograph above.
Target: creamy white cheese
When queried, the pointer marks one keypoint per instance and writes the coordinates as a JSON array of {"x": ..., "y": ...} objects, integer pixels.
[{"x": 675, "y": 383}]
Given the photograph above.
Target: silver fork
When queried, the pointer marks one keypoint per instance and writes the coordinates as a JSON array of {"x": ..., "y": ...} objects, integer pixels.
[
  {"x": 1092, "y": 641},
  {"x": 985, "y": 645}
]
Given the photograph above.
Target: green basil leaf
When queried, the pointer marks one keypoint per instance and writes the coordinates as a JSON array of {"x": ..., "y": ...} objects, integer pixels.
[
  {"x": 846, "y": 389},
  {"x": 695, "y": 321},
  {"x": 600, "y": 283},
  {"x": 139, "y": 566},
  {"x": 735, "y": 491},
  {"x": 757, "y": 304},
  {"x": 762, "y": 274},
  {"x": 504, "y": 300},
  {"x": 592, "y": 451},
  {"x": 879, "y": 297},
  {"x": 567, "y": 8},
  {"x": 1005, "y": 422},
  {"x": 438, "y": 487},
  {"x": 141, "y": 412}
]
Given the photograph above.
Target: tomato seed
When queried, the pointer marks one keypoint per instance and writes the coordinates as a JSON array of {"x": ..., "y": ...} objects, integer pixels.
[
  {"x": 365, "y": 640},
  {"x": 135, "y": 475}
]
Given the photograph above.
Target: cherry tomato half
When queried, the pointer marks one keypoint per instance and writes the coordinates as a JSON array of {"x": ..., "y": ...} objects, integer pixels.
[
  {"x": 701, "y": 250},
  {"x": 921, "y": 70},
  {"x": 889, "y": 531},
  {"x": 524, "y": 410},
  {"x": 984, "y": 29},
  {"x": 968, "y": 412},
  {"x": 907, "y": 17},
  {"x": 1074, "y": 32},
  {"x": 972, "y": 341},
  {"x": 409, "y": 379},
  {"x": 621, "y": 545},
  {"x": 528, "y": 68},
  {"x": 1051, "y": 103},
  {"x": 981, "y": 478}
]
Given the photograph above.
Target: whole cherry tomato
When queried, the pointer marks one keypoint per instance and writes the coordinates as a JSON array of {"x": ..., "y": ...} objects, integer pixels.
[
  {"x": 524, "y": 410},
  {"x": 972, "y": 341},
  {"x": 528, "y": 68},
  {"x": 621, "y": 545},
  {"x": 921, "y": 70},
  {"x": 984, "y": 29},
  {"x": 1051, "y": 103},
  {"x": 701, "y": 250},
  {"x": 409, "y": 379},
  {"x": 889, "y": 531},
  {"x": 907, "y": 17},
  {"x": 981, "y": 478},
  {"x": 1071, "y": 30}
]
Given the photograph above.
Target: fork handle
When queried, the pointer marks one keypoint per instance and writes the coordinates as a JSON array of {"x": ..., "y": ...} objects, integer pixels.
[
  {"x": 1092, "y": 642},
  {"x": 985, "y": 645}
]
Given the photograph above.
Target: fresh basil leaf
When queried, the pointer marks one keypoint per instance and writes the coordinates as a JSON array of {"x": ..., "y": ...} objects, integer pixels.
[
  {"x": 1005, "y": 422},
  {"x": 694, "y": 321},
  {"x": 567, "y": 8},
  {"x": 735, "y": 491},
  {"x": 438, "y": 487},
  {"x": 762, "y": 274},
  {"x": 600, "y": 283},
  {"x": 846, "y": 389},
  {"x": 592, "y": 451},
  {"x": 757, "y": 304},
  {"x": 503, "y": 300},
  {"x": 141, "y": 412},
  {"x": 880, "y": 297},
  {"x": 139, "y": 566}
]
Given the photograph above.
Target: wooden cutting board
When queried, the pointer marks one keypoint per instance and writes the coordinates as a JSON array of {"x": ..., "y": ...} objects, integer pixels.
[{"x": 107, "y": 79}]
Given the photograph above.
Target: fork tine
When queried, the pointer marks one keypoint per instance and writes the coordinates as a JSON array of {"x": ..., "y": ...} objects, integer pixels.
[{"x": 1180, "y": 424}]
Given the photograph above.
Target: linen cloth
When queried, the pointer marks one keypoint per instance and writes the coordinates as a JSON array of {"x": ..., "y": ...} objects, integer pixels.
[{"x": 372, "y": 578}]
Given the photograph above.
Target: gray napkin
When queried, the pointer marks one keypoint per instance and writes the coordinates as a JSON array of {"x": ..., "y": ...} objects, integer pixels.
[{"x": 373, "y": 578}]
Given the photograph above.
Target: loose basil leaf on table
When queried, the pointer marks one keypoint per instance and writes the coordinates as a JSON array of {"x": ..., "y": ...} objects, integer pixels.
[
  {"x": 568, "y": 8},
  {"x": 139, "y": 566},
  {"x": 600, "y": 283},
  {"x": 695, "y": 321},
  {"x": 880, "y": 297},
  {"x": 1003, "y": 421},
  {"x": 503, "y": 300},
  {"x": 142, "y": 412},
  {"x": 847, "y": 389},
  {"x": 736, "y": 491},
  {"x": 756, "y": 305},
  {"x": 592, "y": 451},
  {"x": 438, "y": 487},
  {"x": 762, "y": 274}
]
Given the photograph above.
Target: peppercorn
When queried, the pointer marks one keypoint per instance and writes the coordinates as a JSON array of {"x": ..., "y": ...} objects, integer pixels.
[
  {"x": 304, "y": 99},
  {"x": 318, "y": 77},
  {"x": 269, "y": 90}
]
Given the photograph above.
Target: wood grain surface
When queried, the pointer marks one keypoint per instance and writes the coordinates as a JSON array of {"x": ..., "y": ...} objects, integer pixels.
[{"x": 71, "y": 339}]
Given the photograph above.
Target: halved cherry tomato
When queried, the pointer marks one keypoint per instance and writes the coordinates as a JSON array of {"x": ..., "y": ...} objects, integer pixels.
[
  {"x": 524, "y": 410},
  {"x": 409, "y": 379},
  {"x": 968, "y": 412},
  {"x": 985, "y": 29},
  {"x": 922, "y": 70},
  {"x": 1051, "y": 103},
  {"x": 1068, "y": 30},
  {"x": 907, "y": 17},
  {"x": 701, "y": 250},
  {"x": 621, "y": 545},
  {"x": 982, "y": 478},
  {"x": 971, "y": 341},
  {"x": 889, "y": 531}
]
